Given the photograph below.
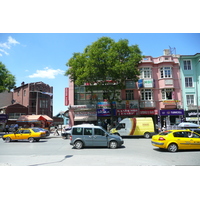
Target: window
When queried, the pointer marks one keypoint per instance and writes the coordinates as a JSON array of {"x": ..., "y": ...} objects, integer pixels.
[
  {"x": 146, "y": 94},
  {"x": 88, "y": 131},
  {"x": 98, "y": 131},
  {"x": 24, "y": 93},
  {"x": 188, "y": 82},
  {"x": 130, "y": 84},
  {"x": 121, "y": 126},
  {"x": 167, "y": 94},
  {"x": 129, "y": 95},
  {"x": 145, "y": 72},
  {"x": 77, "y": 131},
  {"x": 187, "y": 65},
  {"x": 166, "y": 72},
  {"x": 190, "y": 99},
  {"x": 43, "y": 103}
]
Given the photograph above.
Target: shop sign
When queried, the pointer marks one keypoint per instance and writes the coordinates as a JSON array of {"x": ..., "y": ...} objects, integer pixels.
[
  {"x": 87, "y": 113},
  {"x": 66, "y": 96},
  {"x": 124, "y": 112},
  {"x": 148, "y": 83},
  {"x": 82, "y": 107},
  {"x": 170, "y": 101},
  {"x": 105, "y": 104},
  {"x": 3, "y": 118},
  {"x": 104, "y": 112},
  {"x": 171, "y": 112},
  {"x": 148, "y": 112},
  {"x": 191, "y": 113}
]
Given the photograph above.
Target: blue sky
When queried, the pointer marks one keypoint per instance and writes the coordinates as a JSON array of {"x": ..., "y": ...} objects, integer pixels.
[{"x": 33, "y": 57}]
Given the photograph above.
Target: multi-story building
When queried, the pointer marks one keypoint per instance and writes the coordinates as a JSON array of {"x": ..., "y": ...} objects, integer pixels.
[
  {"x": 190, "y": 72},
  {"x": 159, "y": 89},
  {"x": 37, "y": 97},
  {"x": 156, "y": 94}
]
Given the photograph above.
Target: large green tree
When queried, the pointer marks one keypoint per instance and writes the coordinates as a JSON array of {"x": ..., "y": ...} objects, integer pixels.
[
  {"x": 7, "y": 80},
  {"x": 105, "y": 65}
]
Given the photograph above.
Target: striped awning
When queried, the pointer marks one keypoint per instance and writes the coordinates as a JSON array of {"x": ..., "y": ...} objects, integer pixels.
[{"x": 34, "y": 118}]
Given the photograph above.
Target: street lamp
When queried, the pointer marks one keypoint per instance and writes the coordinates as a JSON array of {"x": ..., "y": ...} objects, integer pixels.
[{"x": 197, "y": 79}]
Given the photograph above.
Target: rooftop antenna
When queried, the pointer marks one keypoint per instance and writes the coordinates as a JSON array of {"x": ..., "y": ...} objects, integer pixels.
[{"x": 172, "y": 50}]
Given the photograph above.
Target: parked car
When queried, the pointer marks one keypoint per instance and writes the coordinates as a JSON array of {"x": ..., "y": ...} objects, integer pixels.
[
  {"x": 30, "y": 134},
  {"x": 173, "y": 140},
  {"x": 95, "y": 136}
]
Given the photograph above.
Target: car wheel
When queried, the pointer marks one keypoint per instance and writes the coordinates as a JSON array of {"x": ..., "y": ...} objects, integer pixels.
[
  {"x": 147, "y": 135},
  {"x": 172, "y": 147},
  {"x": 31, "y": 139},
  {"x": 7, "y": 139},
  {"x": 78, "y": 145},
  {"x": 113, "y": 145}
]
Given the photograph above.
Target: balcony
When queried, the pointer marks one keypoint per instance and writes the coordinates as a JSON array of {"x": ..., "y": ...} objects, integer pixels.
[{"x": 147, "y": 104}]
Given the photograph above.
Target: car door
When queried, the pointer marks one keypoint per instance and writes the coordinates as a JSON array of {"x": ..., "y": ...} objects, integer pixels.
[
  {"x": 100, "y": 137},
  {"x": 26, "y": 134},
  {"x": 195, "y": 141},
  {"x": 88, "y": 136},
  {"x": 17, "y": 135},
  {"x": 122, "y": 129},
  {"x": 182, "y": 140}
]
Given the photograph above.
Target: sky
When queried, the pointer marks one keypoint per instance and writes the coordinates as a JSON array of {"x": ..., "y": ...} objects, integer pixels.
[{"x": 33, "y": 57}]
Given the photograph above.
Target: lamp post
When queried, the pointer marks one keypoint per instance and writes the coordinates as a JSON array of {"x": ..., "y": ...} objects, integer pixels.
[{"x": 197, "y": 79}]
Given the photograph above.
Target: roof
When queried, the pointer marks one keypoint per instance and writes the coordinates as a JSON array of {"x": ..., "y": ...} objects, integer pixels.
[{"x": 34, "y": 118}]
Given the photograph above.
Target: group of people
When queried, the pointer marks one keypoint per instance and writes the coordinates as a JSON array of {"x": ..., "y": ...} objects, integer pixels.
[{"x": 7, "y": 128}]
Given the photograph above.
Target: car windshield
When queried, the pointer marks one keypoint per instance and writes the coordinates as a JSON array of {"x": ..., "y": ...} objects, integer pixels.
[
  {"x": 165, "y": 132},
  {"x": 36, "y": 130}
]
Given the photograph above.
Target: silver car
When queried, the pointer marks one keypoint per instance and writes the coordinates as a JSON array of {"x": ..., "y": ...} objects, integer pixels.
[{"x": 95, "y": 136}]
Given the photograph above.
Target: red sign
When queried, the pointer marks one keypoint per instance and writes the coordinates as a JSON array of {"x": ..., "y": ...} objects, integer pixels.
[
  {"x": 148, "y": 112},
  {"x": 123, "y": 112},
  {"x": 66, "y": 96}
]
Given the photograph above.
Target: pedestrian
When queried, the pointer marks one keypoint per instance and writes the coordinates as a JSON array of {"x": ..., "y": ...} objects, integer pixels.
[
  {"x": 56, "y": 131},
  {"x": 7, "y": 129},
  {"x": 16, "y": 127}
]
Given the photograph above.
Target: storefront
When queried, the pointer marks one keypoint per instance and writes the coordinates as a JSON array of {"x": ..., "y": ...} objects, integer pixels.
[
  {"x": 79, "y": 114},
  {"x": 192, "y": 116},
  {"x": 171, "y": 117}
]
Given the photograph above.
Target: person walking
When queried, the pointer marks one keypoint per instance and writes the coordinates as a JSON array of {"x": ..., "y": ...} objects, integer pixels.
[
  {"x": 56, "y": 131},
  {"x": 7, "y": 129},
  {"x": 16, "y": 127}
]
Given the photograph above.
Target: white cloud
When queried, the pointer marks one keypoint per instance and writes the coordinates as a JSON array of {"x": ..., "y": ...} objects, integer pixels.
[
  {"x": 7, "y": 45},
  {"x": 47, "y": 73},
  {"x": 4, "y": 52},
  {"x": 12, "y": 41}
]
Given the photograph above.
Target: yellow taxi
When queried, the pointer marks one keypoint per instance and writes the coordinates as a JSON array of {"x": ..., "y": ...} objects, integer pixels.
[
  {"x": 173, "y": 140},
  {"x": 30, "y": 134}
]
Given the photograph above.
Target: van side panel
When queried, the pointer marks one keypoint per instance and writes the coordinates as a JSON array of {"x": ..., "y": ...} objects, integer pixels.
[{"x": 133, "y": 125}]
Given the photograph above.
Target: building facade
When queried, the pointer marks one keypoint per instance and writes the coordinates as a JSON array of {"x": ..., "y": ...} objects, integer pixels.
[
  {"x": 37, "y": 97},
  {"x": 157, "y": 94},
  {"x": 190, "y": 72}
]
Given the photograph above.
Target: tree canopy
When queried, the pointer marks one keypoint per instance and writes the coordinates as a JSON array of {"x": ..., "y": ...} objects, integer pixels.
[
  {"x": 105, "y": 65},
  {"x": 7, "y": 80}
]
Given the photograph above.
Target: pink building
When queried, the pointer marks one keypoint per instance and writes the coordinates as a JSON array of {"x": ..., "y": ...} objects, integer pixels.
[{"x": 157, "y": 94}]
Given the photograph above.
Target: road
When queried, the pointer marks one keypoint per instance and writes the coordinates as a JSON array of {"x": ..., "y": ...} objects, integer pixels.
[{"x": 56, "y": 151}]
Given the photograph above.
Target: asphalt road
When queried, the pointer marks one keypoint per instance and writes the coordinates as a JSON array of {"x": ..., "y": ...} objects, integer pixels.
[{"x": 56, "y": 151}]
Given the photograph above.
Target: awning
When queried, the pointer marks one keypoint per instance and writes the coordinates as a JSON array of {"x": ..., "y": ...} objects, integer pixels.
[
  {"x": 34, "y": 118},
  {"x": 85, "y": 118}
]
